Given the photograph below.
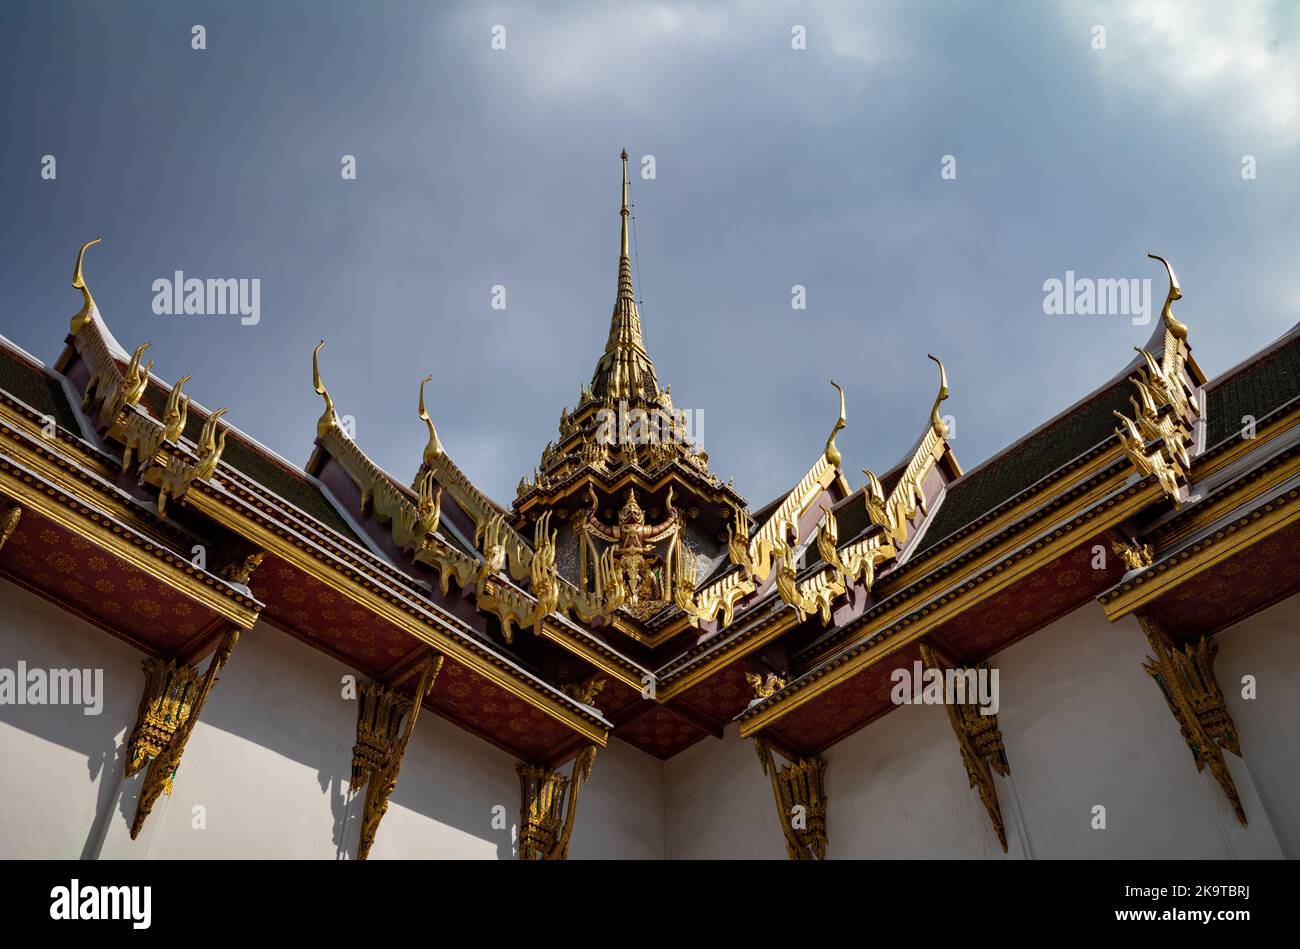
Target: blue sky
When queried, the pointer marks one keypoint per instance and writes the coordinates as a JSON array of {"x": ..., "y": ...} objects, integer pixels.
[{"x": 774, "y": 167}]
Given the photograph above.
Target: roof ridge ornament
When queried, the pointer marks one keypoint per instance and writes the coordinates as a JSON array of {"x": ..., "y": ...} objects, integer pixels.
[
  {"x": 936, "y": 420},
  {"x": 329, "y": 420},
  {"x": 82, "y": 319},
  {"x": 833, "y": 456},
  {"x": 433, "y": 448},
  {"x": 1175, "y": 293}
]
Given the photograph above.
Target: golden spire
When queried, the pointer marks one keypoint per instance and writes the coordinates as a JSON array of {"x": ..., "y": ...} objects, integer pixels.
[{"x": 625, "y": 370}]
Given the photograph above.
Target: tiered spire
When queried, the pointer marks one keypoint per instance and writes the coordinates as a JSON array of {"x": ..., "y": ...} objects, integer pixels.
[{"x": 625, "y": 370}]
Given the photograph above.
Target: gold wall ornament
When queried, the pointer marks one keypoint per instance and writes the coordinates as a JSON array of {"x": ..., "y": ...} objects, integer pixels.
[
  {"x": 9, "y": 522},
  {"x": 800, "y": 799},
  {"x": 1186, "y": 679},
  {"x": 162, "y": 769},
  {"x": 169, "y": 691},
  {"x": 629, "y": 569},
  {"x": 382, "y": 781},
  {"x": 764, "y": 687},
  {"x": 1135, "y": 556},
  {"x": 548, "y": 807},
  {"x": 241, "y": 571},
  {"x": 329, "y": 420},
  {"x": 980, "y": 741},
  {"x": 586, "y": 692},
  {"x": 1175, "y": 293},
  {"x": 83, "y": 318},
  {"x": 381, "y": 711}
]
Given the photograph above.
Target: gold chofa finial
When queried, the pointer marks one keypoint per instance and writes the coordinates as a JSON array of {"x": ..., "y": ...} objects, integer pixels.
[
  {"x": 433, "y": 448},
  {"x": 79, "y": 282},
  {"x": 833, "y": 456},
  {"x": 1175, "y": 293},
  {"x": 939, "y": 425},
  {"x": 328, "y": 419}
]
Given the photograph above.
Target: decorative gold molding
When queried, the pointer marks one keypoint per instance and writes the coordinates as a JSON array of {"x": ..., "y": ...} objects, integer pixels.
[
  {"x": 162, "y": 769},
  {"x": 1153, "y": 582},
  {"x": 800, "y": 797},
  {"x": 912, "y": 619},
  {"x": 1186, "y": 679},
  {"x": 546, "y": 797},
  {"x": 135, "y": 547},
  {"x": 982, "y": 751},
  {"x": 377, "y": 755},
  {"x": 395, "y": 606}
]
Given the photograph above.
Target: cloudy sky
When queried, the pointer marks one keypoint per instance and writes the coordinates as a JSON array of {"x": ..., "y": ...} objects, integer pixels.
[{"x": 774, "y": 166}]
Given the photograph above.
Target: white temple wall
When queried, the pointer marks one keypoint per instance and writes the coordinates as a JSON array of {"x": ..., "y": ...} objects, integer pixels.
[
  {"x": 719, "y": 803},
  {"x": 1083, "y": 725},
  {"x": 60, "y": 766},
  {"x": 1267, "y": 646},
  {"x": 266, "y": 769}
]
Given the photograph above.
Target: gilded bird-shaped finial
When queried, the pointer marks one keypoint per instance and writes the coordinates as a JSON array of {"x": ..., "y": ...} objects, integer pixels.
[
  {"x": 1175, "y": 293},
  {"x": 833, "y": 456},
  {"x": 82, "y": 319}
]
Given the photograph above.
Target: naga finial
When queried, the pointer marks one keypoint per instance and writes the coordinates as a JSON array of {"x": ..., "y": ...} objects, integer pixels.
[
  {"x": 82, "y": 319},
  {"x": 1175, "y": 293},
  {"x": 329, "y": 419},
  {"x": 433, "y": 448},
  {"x": 939, "y": 424},
  {"x": 833, "y": 456}
]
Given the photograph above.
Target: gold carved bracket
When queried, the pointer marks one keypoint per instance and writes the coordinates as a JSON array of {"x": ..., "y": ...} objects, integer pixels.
[
  {"x": 385, "y": 720},
  {"x": 9, "y": 522},
  {"x": 175, "y": 690},
  {"x": 982, "y": 752},
  {"x": 548, "y": 807},
  {"x": 800, "y": 799},
  {"x": 1186, "y": 679}
]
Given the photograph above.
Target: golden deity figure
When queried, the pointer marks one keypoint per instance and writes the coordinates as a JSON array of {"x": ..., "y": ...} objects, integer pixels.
[{"x": 640, "y": 568}]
